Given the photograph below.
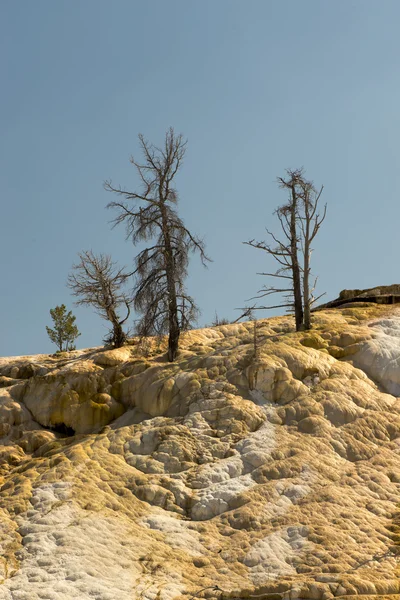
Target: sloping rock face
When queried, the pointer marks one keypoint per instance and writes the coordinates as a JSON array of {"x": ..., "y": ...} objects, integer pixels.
[{"x": 263, "y": 464}]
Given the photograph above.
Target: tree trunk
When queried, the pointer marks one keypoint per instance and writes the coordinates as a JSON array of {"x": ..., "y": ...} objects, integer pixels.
[
  {"x": 173, "y": 323},
  {"x": 298, "y": 303},
  {"x": 306, "y": 288},
  {"x": 174, "y": 329},
  {"x": 306, "y": 266},
  {"x": 118, "y": 335}
]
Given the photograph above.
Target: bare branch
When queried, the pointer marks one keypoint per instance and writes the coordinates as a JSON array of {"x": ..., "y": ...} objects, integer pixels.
[
  {"x": 269, "y": 292},
  {"x": 276, "y": 275},
  {"x": 247, "y": 313},
  {"x": 266, "y": 307},
  {"x": 317, "y": 298}
]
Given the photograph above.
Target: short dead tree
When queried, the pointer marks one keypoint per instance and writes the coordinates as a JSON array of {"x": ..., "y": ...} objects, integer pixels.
[{"x": 98, "y": 282}]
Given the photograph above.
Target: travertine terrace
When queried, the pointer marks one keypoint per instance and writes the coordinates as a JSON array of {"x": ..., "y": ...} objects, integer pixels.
[{"x": 268, "y": 469}]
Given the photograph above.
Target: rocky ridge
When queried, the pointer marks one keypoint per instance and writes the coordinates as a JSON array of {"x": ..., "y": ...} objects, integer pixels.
[{"x": 267, "y": 467}]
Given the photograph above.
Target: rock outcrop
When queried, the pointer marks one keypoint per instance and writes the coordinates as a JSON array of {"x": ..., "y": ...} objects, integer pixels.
[
  {"x": 384, "y": 294},
  {"x": 268, "y": 469}
]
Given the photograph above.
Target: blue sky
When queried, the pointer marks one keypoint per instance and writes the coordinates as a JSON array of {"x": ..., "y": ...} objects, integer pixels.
[{"x": 256, "y": 86}]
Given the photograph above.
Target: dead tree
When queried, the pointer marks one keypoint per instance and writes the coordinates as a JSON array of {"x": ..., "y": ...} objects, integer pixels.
[
  {"x": 285, "y": 253},
  {"x": 310, "y": 222},
  {"x": 151, "y": 215},
  {"x": 287, "y": 217},
  {"x": 300, "y": 222},
  {"x": 98, "y": 282}
]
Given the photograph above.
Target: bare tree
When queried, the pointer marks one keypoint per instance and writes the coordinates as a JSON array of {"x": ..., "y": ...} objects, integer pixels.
[
  {"x": 287, "y": 217},
  {"x": 98, "y": 282},
  {"x": 286, "y": 252},
  {"x": 310, "y": 222},
  {"x": 160, "y": 269},
  {"x": 300, "y": 222}
]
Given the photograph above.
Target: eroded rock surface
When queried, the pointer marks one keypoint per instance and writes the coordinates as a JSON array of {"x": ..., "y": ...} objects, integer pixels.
[{"x": 272, "y": 469}]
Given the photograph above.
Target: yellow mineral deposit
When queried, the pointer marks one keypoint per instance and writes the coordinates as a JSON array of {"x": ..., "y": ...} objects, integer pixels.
[{"x": 270, "y": 471}]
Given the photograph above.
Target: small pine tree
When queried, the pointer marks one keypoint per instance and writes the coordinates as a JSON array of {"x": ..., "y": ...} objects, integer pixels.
[{"x": 65, "y": 331}]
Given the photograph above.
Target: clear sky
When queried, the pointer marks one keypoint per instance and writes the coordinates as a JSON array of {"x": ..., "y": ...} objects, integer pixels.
[{"x": 255, "y": 85}]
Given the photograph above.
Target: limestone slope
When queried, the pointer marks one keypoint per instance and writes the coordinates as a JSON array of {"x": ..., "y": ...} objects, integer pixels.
[{"x": 263, "y": 468}]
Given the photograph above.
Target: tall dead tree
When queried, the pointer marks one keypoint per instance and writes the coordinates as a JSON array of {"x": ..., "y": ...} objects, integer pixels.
[
  {"x": 300, "y": 222},
  {"x": 151, "y": 215},
  {"x": 98, "y": 282},
  {"x": 310, "y": 222},
  {"x": 287, "y": 217},
  {"x": 285, "y": 253}
]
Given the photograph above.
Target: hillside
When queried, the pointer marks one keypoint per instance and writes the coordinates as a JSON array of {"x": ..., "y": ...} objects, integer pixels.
[{"x": 268, "y": 469}]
